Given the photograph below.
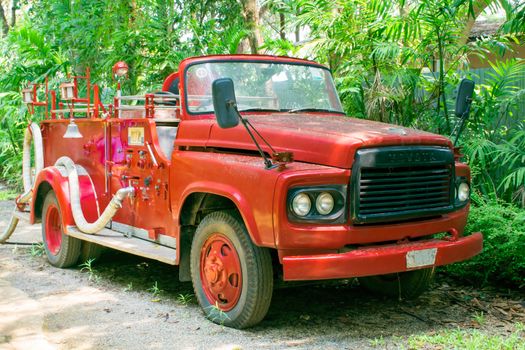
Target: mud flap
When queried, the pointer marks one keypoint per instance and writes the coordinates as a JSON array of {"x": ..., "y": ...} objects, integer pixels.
[{"x": 185, "y": 249}]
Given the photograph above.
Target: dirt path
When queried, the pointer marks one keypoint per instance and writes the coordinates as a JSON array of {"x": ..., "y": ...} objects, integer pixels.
[{"x": 116, "y": 306}]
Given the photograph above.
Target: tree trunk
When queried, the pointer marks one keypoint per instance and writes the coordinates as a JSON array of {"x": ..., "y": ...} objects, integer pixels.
[
  {"x": 478, "y": 8},
  {"x": 251, "y": 17},
  {"x": 282, "y": 25},
  {"x": 14, "y": 6},
  {"x": 297, "y": 28},
  {"x": 3, "y": 19}
]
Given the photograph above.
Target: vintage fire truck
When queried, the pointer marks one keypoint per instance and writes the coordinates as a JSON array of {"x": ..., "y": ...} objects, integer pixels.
[{"x": 243, "y": 170}]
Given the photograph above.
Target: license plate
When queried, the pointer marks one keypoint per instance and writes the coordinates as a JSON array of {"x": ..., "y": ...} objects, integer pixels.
[{"x": 419, "y": 258}]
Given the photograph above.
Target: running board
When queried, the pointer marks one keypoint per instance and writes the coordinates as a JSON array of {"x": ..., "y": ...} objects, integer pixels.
[{"x": 136, "y": 246}]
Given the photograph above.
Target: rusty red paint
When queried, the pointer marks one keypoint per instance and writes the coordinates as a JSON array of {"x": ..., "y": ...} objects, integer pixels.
[
  {"x": 53, "y": 229},
  {"x": 221, "y": 272},
  {"x": 377, "y": 260},
  {"x": 323, "y": 144}
]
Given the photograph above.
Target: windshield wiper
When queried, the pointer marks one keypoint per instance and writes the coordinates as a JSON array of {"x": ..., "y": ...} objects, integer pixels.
[
  {"x": 259, "y": 109},
  {"x": 312, "y": 109}
]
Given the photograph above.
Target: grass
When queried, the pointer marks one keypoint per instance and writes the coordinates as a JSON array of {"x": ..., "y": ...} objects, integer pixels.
[
  {"x": 479, "y": 317},
  {"x": 217, "y": 315},
  {"x": 129, "y": 287},
  {"x": 155, "y": 291},
  {"x": 471, "y": 339},
  {"x": 378, "y": 342},
  {"x": 8, "y": 194},
  {"x": 37, "y": 249},
  {"x": 92, "y": 273},
  {"x": 185, "y": 298}
]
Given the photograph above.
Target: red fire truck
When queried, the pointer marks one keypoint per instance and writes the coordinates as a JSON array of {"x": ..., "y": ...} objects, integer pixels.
[{"x": 244, "y": 169}]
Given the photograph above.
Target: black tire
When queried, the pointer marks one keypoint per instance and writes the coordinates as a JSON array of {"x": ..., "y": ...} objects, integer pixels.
[
  {"x": 402, "y": 285},
  {"x": 256, "y": 287},
  {"x": 66, "y": 252},
  {"x": 90, "y": 251}
]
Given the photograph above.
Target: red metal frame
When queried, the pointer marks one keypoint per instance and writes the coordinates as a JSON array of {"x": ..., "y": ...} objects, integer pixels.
[
  {"x": 34, "y": 88},
  {"x": 377, "y": 260},
  {"x": 53, "y": 229},
  {"x": 221, "y": 272},
  {"x": 324, "y": 146}
]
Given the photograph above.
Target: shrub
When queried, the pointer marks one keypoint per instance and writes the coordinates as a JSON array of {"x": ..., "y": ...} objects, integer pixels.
[{"x": 502, "y": 261}]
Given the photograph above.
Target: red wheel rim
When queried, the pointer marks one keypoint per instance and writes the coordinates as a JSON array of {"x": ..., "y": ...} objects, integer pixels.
[
  {"x": 53, "y": 229},
  {"x": 220, "y": 270}
]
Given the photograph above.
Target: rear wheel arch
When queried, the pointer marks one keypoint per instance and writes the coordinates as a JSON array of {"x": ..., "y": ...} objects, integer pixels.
[
  {"x": 51, "y": 178},
  {"x": 42, "y": 190}
]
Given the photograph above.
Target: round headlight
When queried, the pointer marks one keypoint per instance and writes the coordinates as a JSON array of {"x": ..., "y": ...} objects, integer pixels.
[
  {"x": 463, "y": 192},
  {"x": 324, "y": 203},
  {"x": 301, "y": 204}
]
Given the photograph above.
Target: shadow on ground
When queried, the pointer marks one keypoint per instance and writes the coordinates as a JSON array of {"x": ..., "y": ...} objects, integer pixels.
[{"x": 314, "y": 310}]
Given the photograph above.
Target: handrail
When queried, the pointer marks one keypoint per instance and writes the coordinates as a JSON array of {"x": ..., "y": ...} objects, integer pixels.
[
  {"x": 155, "y": 97},
  {"x": 72, "y": 110},
  {"x": 207, "y": 97},
  {"x": 143, "y": 107}
]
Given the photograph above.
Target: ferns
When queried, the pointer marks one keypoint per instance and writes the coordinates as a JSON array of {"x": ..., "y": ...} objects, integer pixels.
[{"x": 511, "y": 156}]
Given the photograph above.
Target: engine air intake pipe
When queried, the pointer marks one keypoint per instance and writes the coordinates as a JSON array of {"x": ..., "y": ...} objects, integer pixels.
[{"x": 74, "y": 198}]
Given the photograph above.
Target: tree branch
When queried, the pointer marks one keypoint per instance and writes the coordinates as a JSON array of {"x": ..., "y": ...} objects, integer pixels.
[
  {"x": 14, "y": 6},
  {"x": 3, "y": 19}
]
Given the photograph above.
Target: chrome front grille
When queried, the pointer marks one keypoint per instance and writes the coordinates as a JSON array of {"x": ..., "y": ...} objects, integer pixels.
[{"x": 399, "y": 183}]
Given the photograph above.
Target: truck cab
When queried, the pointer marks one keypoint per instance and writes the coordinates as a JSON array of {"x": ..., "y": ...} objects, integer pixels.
[{"x": 296, "y": 191}]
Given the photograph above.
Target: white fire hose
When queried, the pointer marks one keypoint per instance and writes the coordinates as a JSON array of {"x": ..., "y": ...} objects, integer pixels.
[
  {"x": 32, "y": 134},
  {"x": 74, "y": 198}
]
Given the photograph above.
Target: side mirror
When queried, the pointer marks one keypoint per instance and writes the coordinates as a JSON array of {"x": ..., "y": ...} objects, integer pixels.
[
  {"x": 224, "y": 103},
  {"x": 464, "y": 99}
]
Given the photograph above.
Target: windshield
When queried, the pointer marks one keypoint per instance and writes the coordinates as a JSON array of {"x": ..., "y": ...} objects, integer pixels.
[{"x": 263, "y": 86}]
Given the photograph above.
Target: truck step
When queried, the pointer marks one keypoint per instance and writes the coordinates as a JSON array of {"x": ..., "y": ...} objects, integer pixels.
[{"x": 136, "y": 246}]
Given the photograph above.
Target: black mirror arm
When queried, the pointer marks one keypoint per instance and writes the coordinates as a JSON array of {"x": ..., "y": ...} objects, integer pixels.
[
  {"x": 247, "y": 125},
  {"x": 461, "y": 124}
]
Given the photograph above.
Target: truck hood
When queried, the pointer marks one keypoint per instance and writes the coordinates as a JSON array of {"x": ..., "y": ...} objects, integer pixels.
[{"x": 325, "y": 139}]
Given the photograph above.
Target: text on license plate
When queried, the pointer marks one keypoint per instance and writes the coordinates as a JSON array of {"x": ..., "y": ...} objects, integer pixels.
[{"x": 419, "y": 258}]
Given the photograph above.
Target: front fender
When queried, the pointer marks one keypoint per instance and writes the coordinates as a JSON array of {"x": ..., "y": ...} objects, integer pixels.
[
  {"x": 55, "y": 179},
  {"x": 235, "y": 195}
]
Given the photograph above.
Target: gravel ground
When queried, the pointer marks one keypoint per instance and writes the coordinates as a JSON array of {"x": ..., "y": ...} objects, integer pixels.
[{"x": 116, "y": 306}]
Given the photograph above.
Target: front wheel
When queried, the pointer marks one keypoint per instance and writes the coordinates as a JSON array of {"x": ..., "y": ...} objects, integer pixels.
[
  {"x": 403, "y": 285},
  {"x": 232, "y": 278},
  {"x": 61, "y": 249}
]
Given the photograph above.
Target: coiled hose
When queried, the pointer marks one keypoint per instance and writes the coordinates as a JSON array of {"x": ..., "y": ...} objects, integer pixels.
[
  {"x": 34, "y": 135},
  {"x": 31, "y": 135},
  {"x": 74, "y": 198}
]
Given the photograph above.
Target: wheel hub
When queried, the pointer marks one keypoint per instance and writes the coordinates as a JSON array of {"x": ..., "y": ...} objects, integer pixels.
[
  {"x": 53, "y": 230},
  {"x": 221, "y": 272}
]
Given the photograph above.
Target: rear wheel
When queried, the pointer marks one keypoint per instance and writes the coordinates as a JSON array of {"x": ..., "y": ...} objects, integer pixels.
[
  {"x": 403, "y": 285},
  {"x": 61, "y": 249},
  {"x": 232, "y": 278}
]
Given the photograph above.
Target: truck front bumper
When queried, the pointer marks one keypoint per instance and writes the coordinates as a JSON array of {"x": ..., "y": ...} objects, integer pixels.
[{"x": 382, "y": 259}]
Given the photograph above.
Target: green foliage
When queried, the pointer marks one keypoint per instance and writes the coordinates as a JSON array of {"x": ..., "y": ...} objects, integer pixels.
[
  {"x": 502, "y": 260},
  {"x": 87, "y": 267},
  {"x": 56, "y": 38},
  {"x": 469, "y": 339},
  {"x": 186, "y": 298},
  {"x": 155, "y": 292},
  {"x": 37, "y": 249},
  {"x": 494, "y": 141}
]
